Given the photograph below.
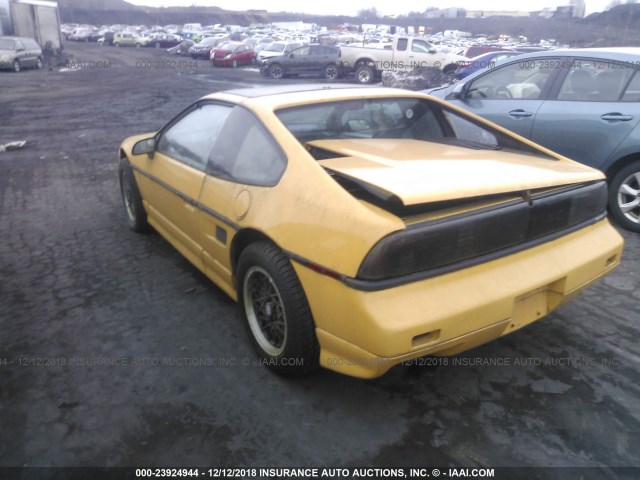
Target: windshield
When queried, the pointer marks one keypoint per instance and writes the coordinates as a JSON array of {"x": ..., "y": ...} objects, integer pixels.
[
  {"x": 207, "y": 41},
  {"x": 6, "y": 44},
  {"x": 275, "y": 47}
]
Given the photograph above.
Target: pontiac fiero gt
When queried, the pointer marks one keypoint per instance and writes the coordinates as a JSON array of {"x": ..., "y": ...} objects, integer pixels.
[{"x": 362, "y": 227}]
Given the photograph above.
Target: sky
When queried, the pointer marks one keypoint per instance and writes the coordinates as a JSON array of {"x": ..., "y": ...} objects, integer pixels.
[{"x": 385, "y": 7}]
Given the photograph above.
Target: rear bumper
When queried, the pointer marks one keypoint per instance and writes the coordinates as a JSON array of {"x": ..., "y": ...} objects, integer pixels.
[{"x": 364, "y": 333}]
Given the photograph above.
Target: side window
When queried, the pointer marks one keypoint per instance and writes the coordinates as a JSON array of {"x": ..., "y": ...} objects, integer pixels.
[
  {"x": 19, "y": 45},
  {"x": 520, "y": 80},
  {"x": 245, "y": 152},
  {"x": 420, "y": 46},
  {"x": 632, "y": 93},
  {"x": 402, "y": 44},
  {"x": 191, "y": 138},
  {"x": 301, "y": 52},
  {"x": 595, "y": 81},
  {"x": 464, "y": 129}
]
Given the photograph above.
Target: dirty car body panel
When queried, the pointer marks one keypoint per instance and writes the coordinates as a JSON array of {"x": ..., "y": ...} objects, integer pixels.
[{"x": 399, "y": 226}]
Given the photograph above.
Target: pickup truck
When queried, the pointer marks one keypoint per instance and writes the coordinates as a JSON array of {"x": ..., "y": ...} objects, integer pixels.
[{"x": 405, "y": 53}]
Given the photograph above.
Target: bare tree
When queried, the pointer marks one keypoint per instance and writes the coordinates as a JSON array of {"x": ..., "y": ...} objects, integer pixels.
[{"x": 369, "y": 13}]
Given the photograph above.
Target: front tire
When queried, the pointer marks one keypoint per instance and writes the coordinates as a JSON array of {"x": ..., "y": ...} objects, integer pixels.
[
  {"x": 277, "y": 315},
  {"x": 624, "y": 197},
  {"x": 16, "y": 66},
  {"x": 234, "y": 64},
  {"x": 136, "y": 214}
]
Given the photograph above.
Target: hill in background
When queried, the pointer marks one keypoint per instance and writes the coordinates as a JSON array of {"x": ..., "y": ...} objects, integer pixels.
[{"x": 619, "y": 26}]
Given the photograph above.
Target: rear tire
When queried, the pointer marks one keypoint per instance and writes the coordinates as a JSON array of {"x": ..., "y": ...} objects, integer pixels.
[
  {"x": 276, "y": 71},
  {"x": 134, "y": 208},
  {"x": 277, "y": 314},
  {"x": 624, "y": 197},
  {"x": 330, "y": 72},
  {"x": 365, "y": 74}
]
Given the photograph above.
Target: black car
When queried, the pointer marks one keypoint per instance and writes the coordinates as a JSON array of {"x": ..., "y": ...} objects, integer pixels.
[
  {"x": 163, "y": 40},
  {"x": 312, "y": 59},
  {"x": 106, "y": 40}
]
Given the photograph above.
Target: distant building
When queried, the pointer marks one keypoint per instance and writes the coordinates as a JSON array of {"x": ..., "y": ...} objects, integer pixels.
[
  {"x": 544, "y": 13},
  {"x": 452, "y": 12},
  {"x": 496, "y": 13},
  {"x": 578, "y": 8}
]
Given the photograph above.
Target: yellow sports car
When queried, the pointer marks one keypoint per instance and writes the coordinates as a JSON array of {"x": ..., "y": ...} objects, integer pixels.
[{"x": 362, "y": 227}]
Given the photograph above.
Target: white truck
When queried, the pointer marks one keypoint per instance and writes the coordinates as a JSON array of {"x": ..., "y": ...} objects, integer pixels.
[{"x": 404, "y": 53}]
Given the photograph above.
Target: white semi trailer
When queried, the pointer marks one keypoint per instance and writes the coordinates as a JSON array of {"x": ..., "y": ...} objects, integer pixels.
[{"x": 35, "y": 19}]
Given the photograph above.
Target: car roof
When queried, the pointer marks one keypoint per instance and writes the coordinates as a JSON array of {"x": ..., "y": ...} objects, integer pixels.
[
  {"x": 494, "y": 53},
  {"x": 631, "y": 55},
  {"x": 617, "y": 53},
  {"x": 288, "y": 89},
  {"x": 283, "y": 96}
]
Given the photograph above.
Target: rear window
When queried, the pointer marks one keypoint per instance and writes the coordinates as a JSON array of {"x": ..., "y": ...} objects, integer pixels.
[{"x": 396, "y": 118}]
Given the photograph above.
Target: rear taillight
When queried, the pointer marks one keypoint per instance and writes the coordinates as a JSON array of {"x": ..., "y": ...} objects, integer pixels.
[{"x": 494, "y": 231}]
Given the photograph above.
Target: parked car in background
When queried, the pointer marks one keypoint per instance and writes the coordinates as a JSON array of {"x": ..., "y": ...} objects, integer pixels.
[
  {"x": 122, "y": 39},
  {"x": 581, "y": 103},
  {"x": 436, "y": 231},
  {"x": 275, "y": 49},
  {"x": 475, "y": 50},
  {"x": 263, "y": 43},
  {"x": 203, "y": 48},
  {"x": 162, "y": 40},
  {"x": 486, "y": 60},
  {"x": 232, "y": 54},
  {"x": 182, "y": 49},
  {"x": 17, "y": 53},
  {"x": 107, "y": 39},
  {"x": 84, "y": 34},
  {"x": 312, "y": 59},
  {"x": 405, "y": 54}
]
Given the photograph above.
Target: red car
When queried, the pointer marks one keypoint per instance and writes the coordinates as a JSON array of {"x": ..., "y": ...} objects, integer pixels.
[{"x": 232, "y": 54}]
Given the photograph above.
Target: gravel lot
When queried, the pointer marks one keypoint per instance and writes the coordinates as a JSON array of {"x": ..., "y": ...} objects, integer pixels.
[{"x": 115, "y": 351}]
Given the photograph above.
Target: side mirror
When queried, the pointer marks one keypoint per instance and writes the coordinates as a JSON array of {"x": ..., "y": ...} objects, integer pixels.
[
  {"x": 459, "y": 91},
  {"x": 291, "y": 55},
  {"x": 148, "y": 146},
  {"x": 433, "y": 50}
]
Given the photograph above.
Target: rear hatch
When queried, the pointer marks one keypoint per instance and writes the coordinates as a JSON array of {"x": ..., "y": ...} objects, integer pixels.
[
  {"x": 460, "y": 205},
  {"x": 413, "y": 172}
]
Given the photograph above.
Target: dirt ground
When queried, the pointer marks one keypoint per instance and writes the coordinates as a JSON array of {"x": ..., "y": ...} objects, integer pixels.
[{"x": 115, "y": 351}]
